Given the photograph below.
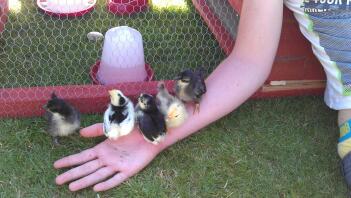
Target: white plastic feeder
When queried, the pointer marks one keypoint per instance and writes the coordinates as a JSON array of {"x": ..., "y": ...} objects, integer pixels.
[{"x": 122, "y": 57}]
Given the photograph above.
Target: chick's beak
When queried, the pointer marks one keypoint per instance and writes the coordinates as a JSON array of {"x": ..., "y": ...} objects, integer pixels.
[
  {"x": 171, "y": 114},
  {"x": 110, "y": 93}
]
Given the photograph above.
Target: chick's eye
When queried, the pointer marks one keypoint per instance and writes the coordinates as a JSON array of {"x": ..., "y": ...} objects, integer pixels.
[{"x": 176, "y": 116}]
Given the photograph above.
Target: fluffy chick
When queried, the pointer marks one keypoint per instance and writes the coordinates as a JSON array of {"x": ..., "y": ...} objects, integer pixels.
[
  {"x": 171, "y": 107},
  {"x": 190, "y": 86},
  {"x": 151, "y": 121},
  {"x": 119, "y": 116},
  {"x": 62, "y": 118}
]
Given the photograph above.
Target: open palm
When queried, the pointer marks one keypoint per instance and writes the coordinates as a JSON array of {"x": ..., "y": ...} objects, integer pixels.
[{"x": 109, "y": 163}]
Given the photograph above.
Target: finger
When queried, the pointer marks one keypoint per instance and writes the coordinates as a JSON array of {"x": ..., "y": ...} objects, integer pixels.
[
  {"x": 78, "y": 172},
  {"x": 91, "y": 179},
  {"x": 108, "y": 184},
  {"x": 76, "y": 159},
  {"x": 92, "y": 131}
]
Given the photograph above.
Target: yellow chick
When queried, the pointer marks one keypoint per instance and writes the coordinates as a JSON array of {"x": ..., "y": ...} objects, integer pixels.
[{"x": 171, "y": 107}]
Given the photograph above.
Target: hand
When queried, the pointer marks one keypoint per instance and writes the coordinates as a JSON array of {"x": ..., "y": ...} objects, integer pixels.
[{"x": 120, "y": 159}]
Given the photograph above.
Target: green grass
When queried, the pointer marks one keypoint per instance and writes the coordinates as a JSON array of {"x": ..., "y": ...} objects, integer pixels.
[
  {"x": 39, "y": 50},
  {"x": 266, "y": 148}
]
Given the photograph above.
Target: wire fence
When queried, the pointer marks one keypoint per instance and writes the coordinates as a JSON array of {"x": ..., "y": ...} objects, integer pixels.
[
  {"x": 41, "y": 50},
  {"x": 42, "y": 45}
]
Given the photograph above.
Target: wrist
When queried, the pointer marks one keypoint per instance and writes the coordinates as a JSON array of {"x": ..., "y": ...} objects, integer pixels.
[
  {"x": 173, "y": 135},
  {"x": 155, "y": 148}
]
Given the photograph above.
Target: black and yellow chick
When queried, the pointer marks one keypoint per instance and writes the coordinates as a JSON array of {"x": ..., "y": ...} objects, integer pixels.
[
  {"x": 190, "y": 86},
  {"x": 62, "y": 118},
  {"x": 150, "y": 120}
]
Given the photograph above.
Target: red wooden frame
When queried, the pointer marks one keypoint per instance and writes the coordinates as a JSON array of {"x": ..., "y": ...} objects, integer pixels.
[
  {"x": 294, "y": 60},
  {"x": 28, "y": 102},
  {"x": 236, "y": 4}
]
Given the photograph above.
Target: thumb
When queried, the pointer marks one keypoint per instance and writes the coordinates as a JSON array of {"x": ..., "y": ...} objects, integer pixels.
[{"x": 92, "y": 131}]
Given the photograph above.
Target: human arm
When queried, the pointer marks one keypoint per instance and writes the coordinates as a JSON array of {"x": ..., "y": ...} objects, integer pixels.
[
  {"x": 228, "y": 86},
  {"x": 243, "y": 71}
]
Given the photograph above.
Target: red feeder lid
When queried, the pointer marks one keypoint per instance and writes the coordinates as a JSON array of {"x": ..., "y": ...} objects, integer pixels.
[{"x": 126, "y": 7}]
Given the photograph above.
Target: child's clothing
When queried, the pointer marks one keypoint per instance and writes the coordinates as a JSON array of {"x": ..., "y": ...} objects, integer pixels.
[{"x": 327, "y": 25}]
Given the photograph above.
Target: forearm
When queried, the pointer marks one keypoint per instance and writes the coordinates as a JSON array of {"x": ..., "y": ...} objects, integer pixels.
[
  {"x": 242, "y": 72},
  {"x": 226, "y": 90}
]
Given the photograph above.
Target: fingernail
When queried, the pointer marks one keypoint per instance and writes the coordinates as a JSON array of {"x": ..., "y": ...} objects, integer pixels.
[
  {"x": 57, "y": 180},
  {"x": 72, "y": 187},
  {"x": 56, "y": 164},
  {"x": 96, "y": 188}
]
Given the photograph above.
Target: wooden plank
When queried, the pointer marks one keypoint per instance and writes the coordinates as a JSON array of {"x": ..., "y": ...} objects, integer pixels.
[
  {"x": 28, "y": 102},
  {"x": 293, "y": 85}
]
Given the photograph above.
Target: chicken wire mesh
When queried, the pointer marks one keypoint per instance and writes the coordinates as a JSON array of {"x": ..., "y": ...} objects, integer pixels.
[{"x": 38, "y": 50}]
